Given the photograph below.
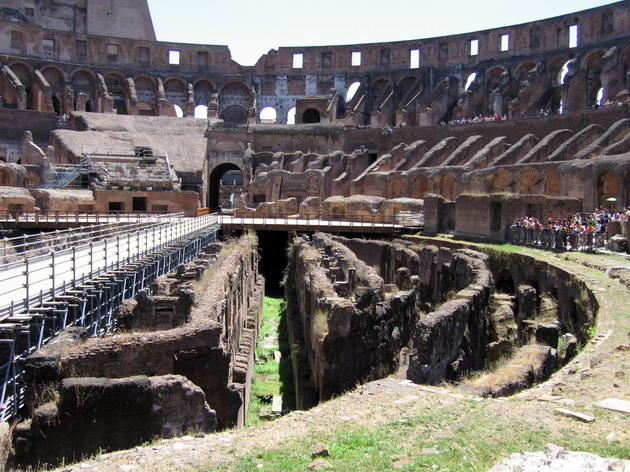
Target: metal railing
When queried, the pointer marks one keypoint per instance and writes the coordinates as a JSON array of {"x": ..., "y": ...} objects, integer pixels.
[
  {"x": 82, "y": 217},
  {"x": 400, "y": 221},
  {"x": 83, "y": 285},
  {"x": 557, "y": 239}
]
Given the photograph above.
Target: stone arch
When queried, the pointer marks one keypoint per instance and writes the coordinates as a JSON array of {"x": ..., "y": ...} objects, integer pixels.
[
  {"x": 405, "y": 92},
  {"x": 592, "y": 63},
  {"x": 378, "y": 88},
  {"x": 291, "y": 116},
  {"x": 552, "y": 183},
  {"x": 217, "y": 194},
  {"x": 311, "y": 115},
  {"x": 498, "y": 90},
  {"x": 145, "y": 109},
  {"x": 469, "y": 79},
  {"x": 268, "y": 115},
  {"x": 528, "y": 180},
  {"x": 420, "y": 186},
  {"x": 234, "y": 114},
  {"x": 522, "y": 70},
  {"x": 83, "y": 81},
  {"x": 446, "y": 185},
  {"x": 115, "y": 88},
  {"x": 25, "y": 76},
  {"x": 203, "y": 90},
  {"x": 201, "y": 111},
  {"x": 382, "y": 100},
  {"x": 554, "y": 69},
  {"x": 352, "y": 89},
  {"x": 7, "y": 178},
  {"x": 232, "y": 95},
  {"x": 56, "y": 80},
  {"x": 147, "y": 97},
  {"x": 32, "y": 179},
  {"x": 606, "y": 187},
  {"x": 176, "y": 93},
  {"x": 504, "y": 282},
  {"x": 503, "y": 181}
]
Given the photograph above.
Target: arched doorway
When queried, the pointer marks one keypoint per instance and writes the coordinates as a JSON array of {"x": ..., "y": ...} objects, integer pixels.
[
  {"x": 225, "y": 186},
  {"x": 235, "y": 114},
  {"x": 201, "y": 111},
  {"x": 311, "y": 116},
  {"x": 606, "y": 190},
  {"x": 268, "y": 115}
]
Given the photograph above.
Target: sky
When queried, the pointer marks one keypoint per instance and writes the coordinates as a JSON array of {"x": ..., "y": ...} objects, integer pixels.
[{"x": 252, "y": 27}]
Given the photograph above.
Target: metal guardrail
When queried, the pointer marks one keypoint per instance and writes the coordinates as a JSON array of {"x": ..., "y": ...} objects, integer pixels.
[
  {"x": 83, "y": 285},
  {"x": 557, "y": 239},
  {"x": 400, "y": 221},
  {"x": 16, "y": 217}
]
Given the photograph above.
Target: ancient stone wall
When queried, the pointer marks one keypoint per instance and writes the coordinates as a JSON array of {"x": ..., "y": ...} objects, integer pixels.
[
  {"x": 425, "y": 312},
  {"x": 213, "y": 307},
  {"x": 420, "y": 81},
  {"x": 354, "y": 305}
]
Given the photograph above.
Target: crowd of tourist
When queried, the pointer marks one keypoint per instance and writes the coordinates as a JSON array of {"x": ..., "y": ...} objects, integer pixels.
[
  {"x": 579, "y": 230},
  {"x": 475, "y": 119},
  {"x": 614, "y": 103}
]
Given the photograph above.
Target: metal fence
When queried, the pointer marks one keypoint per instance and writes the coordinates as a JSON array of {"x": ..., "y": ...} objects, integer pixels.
[
  {"x": 329, "y": 222},
  {"x": 557, "y": 239},
  {"x": 83, "y": 286}
]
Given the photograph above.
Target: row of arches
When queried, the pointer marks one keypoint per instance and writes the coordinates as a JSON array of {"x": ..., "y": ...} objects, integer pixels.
[
  {"x": 556, "y": 84},
  {"x": 233, "y": 100}
]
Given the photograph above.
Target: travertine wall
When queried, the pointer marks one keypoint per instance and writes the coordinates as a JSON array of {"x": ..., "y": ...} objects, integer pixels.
[
  {"x": 360, "y": 310},
  {"x": 210, "y": 342},
  {"x": 354, "y": 305}
]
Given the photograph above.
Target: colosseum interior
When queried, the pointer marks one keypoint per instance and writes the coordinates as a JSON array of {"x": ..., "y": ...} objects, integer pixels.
[{"x": 467, "y": 132}]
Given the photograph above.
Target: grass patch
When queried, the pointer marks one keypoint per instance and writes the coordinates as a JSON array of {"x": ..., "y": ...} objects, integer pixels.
[
  {"x": 467, "y": 436},
  {"x": 271, "y": 377}
]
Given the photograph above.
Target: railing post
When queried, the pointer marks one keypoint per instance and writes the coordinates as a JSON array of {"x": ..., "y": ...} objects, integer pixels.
[
  {"x": 91, "y": 259},
  {"x": 52, "y": 272},
  {"x": 26, "y": 283},
  {"x": 74, "y": 267}
]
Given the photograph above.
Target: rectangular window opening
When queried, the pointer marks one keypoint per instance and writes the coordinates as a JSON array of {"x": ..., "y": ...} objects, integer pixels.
[
  {"x": 356, "y": 58},
  {"x": 81, "y": 48},
  {"x": 607, "y": 23},
  {"x": 298, "y": 60},
  {"x": 143, "y": 55},
  {"x": 112, "y": 52},
  {"x": 573, "y": 36},
  {"x": 474, "y": 47},
  {"x": 16, "y": 39},
  {"x": 173, "y": 57},
  {"x": 327, "y": 59},
  {"x": 414, "y": 58},
  {"x": 505, "y": 42},
  {"x": 384, "y": 57},
  {"x": 29, "y": 11},
  {"x": 202, "y": 59},
  {"x": 48, "y": 48}
]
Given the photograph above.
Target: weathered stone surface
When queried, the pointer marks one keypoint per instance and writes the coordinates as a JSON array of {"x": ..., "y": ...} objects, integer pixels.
[
  {"x": 108, "y": 414},
  {"x": 557, "y": 458},
  {"x": 201, "y": 358}
]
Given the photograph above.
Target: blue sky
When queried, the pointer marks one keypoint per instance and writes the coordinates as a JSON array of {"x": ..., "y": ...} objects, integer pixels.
[{"x": 252, "y": 27}]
